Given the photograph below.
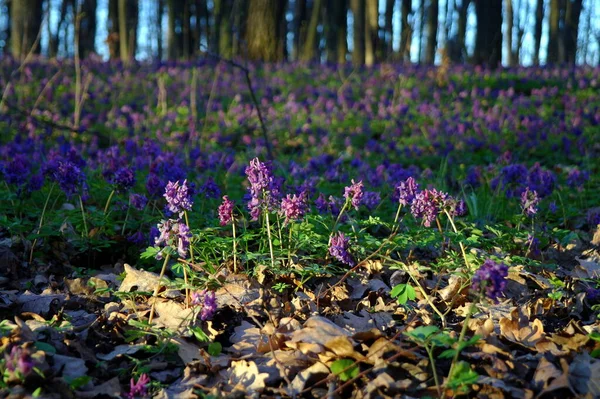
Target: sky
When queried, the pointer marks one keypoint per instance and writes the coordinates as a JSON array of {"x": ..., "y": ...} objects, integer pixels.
[{"x": 147, "y": 29}]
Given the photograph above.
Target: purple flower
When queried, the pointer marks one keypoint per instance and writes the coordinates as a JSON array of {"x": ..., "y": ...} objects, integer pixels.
[
  {"x": 139, "y": 388},
  {"x": 371, "y": 199},
  {"x": 18, "y": 362},
  {"x": 137, "y": 238},
  {"x": 529, "y": 202},
  {"x": 406, "y": 191},
  {"x": 68, "y": 176},
  {"x": 533, "y": 245},
  {"x": 123, "y": 179},
  {"x": 138, "y": 201},
  {"x": 154, "y": 185},
  {"x": 491, "y": 276},
  {"x": 208, "y": 301},
  {"x": 593, "y": 294},
  {"x": 541, "y": 180},
  {"x": 264, "y": 188},
  {"x": 324, "y": 205},
  {"x": 593, "y": 217},
  {"x": 17, "y": 171},
  {"x": 293, "y": 207},
  {"x": 179, "y": 197},
  {"x": 174, "y": 234},
  {"x": 427, "y": 204},
  {"x": 577, "y": 178},
  {"x": 354, "y": 193},
  {"x": 210, "y": 189},
  {"x": 338, "y": 248},
  {"x": 225, "y": 211}
]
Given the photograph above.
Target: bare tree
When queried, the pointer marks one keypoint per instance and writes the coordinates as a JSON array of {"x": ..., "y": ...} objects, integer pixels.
[
  {"x": 509, "y": 31},
  {"x": 388, "y": 28},
  {"x": 336, "y": 30},
  {"x": 263, "y": 28},
  {"x": 358, "y": 12},
  {"x": 432, "y": 30},
  {"x": 537, "y": 34},
  {"x": 571, "y": 29},
  {"x": 406, "y": 30},
  {"x": 309, "y": 49},
  {"x": 371, "y": 31},
  {"x": 554, "y": 34},
  {"x": 488, "y": 40},
  {"x": 25, "y": 24}
]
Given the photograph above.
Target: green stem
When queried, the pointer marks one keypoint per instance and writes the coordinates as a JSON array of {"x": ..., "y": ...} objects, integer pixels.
[
  {"x": 185, "y": 276},
  {"x": 41, "y": 222},
  {"x": 462, "y": 247},
  {"x": 155, "y": 294},
  {"x": 85, "y": 227},
  {"x": 397, "y": 215},
  {"x": 461, "y": 339},
  {"x": 289, "y": 246},
  {"x": 436, "y": 379},
  {"x": 126, "y": 217},
  {"x": 337, "y": 220},
  {"x": 270, "y": 239},
  {"x": 108, "y": 201},
  {"x": 234, "y": 246}
]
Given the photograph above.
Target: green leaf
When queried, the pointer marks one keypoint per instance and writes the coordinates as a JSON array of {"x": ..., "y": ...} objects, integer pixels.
[
  {"x": 76, "y": 383},
  {"x": 199, "y": 334},
  {"x": 447, "y": 354},
  {"x": 150, "y": 252},
  {"x": 421, "y": 334},
  {"x": 43, "y": 346},
  {"x": 403, "y": 293},
  {"x": 346, "y": 369},
  {"x": 595, "y": 336},
  {"x": 215, "y": 348},
  {"x": 463, "y": 375}
]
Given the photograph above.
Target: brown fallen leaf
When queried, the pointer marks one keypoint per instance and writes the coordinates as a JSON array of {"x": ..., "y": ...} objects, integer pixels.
[
  {"x": 584, "y": 375},
  {"x": 307, "y": 378},
  {"x": 43, "y": 304},
  {"x": 518, "y": 330},
  {"x": 244, "y": 376},
  {"x": 173, "y": 315}
]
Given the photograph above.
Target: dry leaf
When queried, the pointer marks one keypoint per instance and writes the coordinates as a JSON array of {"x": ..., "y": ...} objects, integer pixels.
[
  {"x": 111, "y": 388},
  {"x": 584, "y": 375},
  {"x": 246, "y": 377},
  {"x": 173, "y": 315},
  {"x": 307, "y": 377},
  {"x": 528, "y": 335},
  {"x": 120, "y": 350}
]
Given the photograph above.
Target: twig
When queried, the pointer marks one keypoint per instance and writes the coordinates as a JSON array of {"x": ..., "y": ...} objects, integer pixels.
[{"x": 252, "y": 95}]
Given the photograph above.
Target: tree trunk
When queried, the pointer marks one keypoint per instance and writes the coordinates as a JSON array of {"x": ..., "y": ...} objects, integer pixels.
[
  {"x": 537, "y": 34},
  {"x": 460, "y": 49},
  {"x": 553, "y": 35},
  {"x": 371, "y": 31},
  {"x": 432, "y": 28},
  {"x": 488, "y": 40},
  {"x": 87, "y": 28},
  {"x": 358, "y": 12},
  {"x": 509, "y": 31},
  {"x": 300, "y": 27},
  {"x": 335, "y": 16},
  {"x": 421, "y": 29},
  {"x": 175, "y": 29},
  {"x": 160, "y": 9},
  {"x": 239, "y": 27},
  {"x": 26, "y": 22},
  {"x": 406, "y": 31},
  {"x": 310, "y": 44},
  {"x": 222, "y": 30},
  {"x": 572, "y": 15},
  {"x": 262, "y": 30},
  {"x": 342, "y": 32},
  {"x": 389, "y": 29}
]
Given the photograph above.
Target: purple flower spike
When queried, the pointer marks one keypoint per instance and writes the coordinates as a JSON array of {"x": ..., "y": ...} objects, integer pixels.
[
  {"x": 407, "y": 190},
  {"x": 208, "y": 301},
  {"x": 529, "y": 202},
  {"x": 138, "y": 201},
  {"x": 179, "y": 198},
  {"x": 491, "y": 276},
  {"x": 174, "y": 234},
  {"x": 264, "y": 188},
  {"x": 18, "y": 362},
  {"x": 293, "y": 207},
  {"x": 225, "y": 211},
  {"x": 427, "y": 204},
  {"x": 354, "y": 193},
  {"x": 123, "y": 179},
  {"x": 338, "y": 248},
  {"x": 68, "y": 176},
  {"x": 138, "y": 389}
]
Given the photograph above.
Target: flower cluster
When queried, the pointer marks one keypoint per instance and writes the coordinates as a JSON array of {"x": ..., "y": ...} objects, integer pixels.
[
  {"x": 293, "y": 207},
  {"x": 225, "y": 211},
  {"x": 174, "y": 234},
  {"x": 123, "y": 179},
  {"x": 491, "y": 277},
  {"x": 263, "y": 189},
  {"x": 138, "y": 201},
  {"x": 354, "y": 194},
  {"x": 179, "y": 197},
  {"x": 139, "y": 388},
  {"x": 529, "y": 202},
  {"x": 208, "y": 301},
  {"x": 338, "y": 248},
  {"x": 68, "y": 176},
  {"x": 18, "y": 363},
  {"x": 406, "y": 191},
  {"x": 427, "y": 204}
]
